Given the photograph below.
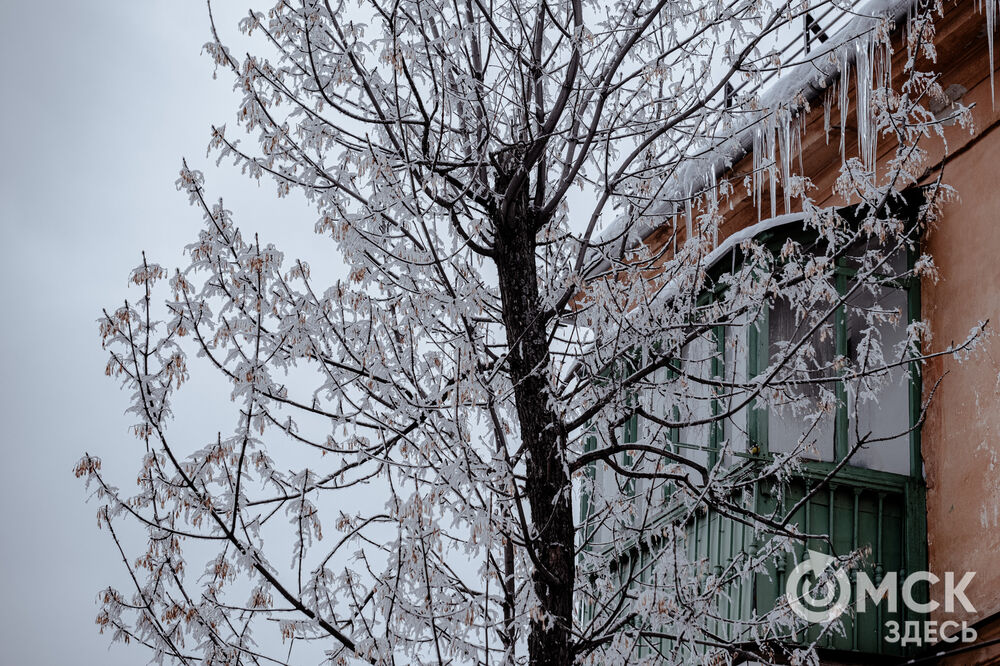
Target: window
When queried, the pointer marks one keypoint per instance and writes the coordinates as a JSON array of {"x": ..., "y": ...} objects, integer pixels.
[
  {"x": 881, "y": 403},
  {"x": 824, "y": 417},
  {"x": 792, "y": 422},
  {"x": 815, "y": 403}
]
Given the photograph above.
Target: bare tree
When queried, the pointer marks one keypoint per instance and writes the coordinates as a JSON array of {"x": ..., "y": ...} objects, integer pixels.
[{"x": 487, "y": 173}]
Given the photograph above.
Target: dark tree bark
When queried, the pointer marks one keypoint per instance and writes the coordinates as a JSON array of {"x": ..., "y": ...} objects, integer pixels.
[{"x": 548, "y": 487}]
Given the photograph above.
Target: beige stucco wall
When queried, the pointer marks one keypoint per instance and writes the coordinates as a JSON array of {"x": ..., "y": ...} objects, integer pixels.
[{"x": 961, "y": 438}]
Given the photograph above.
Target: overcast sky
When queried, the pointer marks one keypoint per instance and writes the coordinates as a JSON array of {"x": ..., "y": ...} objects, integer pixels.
[{"x": 101, "y": 100}]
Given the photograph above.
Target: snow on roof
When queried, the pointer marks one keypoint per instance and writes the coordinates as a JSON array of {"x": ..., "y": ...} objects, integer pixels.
[
  {"x": 801, "y": 84},
  {"x": 733, "y": 241},
  {"x": 588, "y": 337}
]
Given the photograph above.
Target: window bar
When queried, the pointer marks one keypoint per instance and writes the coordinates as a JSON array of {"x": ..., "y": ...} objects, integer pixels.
[
  {"x": 757, "y": 358},
  {"x": 854, "y": 536},
  {"x": 879, "y": 565},
  {"x": 732, "y": 592},
  {"x": 716, "y": 432},
  {"x": 841, "y": 446},
  {"x": 694, "y": 539},
  {"x": 782, "y": 565},
  {"x": 831, "y": 491},
  {"x": 830, "y": 494},
  {"x": 708, "y": 539},
  {"x": 718, "y": 545},
  {"x": 630, "y": 435},
  {"x": 854, "y": 574},
  {"x": 740, "y": 582},
  {"x": 808, "y": 510}
]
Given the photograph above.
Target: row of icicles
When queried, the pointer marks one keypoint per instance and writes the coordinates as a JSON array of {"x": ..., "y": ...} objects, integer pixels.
[
  {"x": 777, "y": 138},
  {"x": 778, "y": 132}
]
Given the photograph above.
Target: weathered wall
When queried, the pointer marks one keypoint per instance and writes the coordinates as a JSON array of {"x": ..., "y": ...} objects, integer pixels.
[{"x": 961, "y": 438}]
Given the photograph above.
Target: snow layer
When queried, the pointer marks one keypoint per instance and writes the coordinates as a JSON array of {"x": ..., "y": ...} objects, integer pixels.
[{"x": 802, "y": 84}]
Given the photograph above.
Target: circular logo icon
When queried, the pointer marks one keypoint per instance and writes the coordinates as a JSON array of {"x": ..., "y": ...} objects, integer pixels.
[{"x": 818, "y": 602}]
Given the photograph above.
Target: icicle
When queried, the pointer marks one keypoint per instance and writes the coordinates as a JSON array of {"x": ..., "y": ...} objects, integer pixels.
[
  {"x": 772, "y": 171},
  {"x": 800, "y": 131},
  {"x": 827, "y": 107},
  {"x": 785, "y": 148},
  {"x": 758, "y": 164},
  {"x": 713, "y": 208},
  {"x": 863, "y": 97},
  {"x": 886, "y": 52},
  {"x": 991, "y": 20},
  {"x": 909, "y": 22},
  {"x": 844, "y": 101},
  {"x": 688, "y": 217}
]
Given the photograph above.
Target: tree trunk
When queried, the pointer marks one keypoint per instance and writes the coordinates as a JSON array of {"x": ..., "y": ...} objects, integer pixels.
[{"x": 547, "y": 486}]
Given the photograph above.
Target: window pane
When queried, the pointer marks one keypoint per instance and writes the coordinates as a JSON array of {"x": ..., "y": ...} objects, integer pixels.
[
  {"x": 695, "y": 397},
  {"x": 880, "y": 404},
  {"x": 735, "y": 372},
  {"x": 867, "y": 253},
  {"x": 796, "y": 414}
]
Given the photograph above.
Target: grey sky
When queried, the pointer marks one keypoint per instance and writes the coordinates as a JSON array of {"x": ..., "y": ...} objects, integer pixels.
[{"x": 101, "y": 101}]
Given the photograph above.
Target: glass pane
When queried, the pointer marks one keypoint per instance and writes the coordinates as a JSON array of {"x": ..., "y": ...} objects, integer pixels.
[
  {"x": 695, "y": 397},
  {"x": 735, "y": 372},
  {"x": 662, "y": 400},
  {"x": 802, "y": 406},
  {"x": 868, "y": 252},
  {"x": 880, "y": 404}
]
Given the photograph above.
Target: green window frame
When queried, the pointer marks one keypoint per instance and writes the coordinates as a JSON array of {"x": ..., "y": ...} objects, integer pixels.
[
  {"x": 859, "y": 507},
  {"x": 758, "y": 358}
]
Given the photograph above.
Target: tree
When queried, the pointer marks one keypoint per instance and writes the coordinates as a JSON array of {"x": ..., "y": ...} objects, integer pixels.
[{"x": 480, "y": 368}]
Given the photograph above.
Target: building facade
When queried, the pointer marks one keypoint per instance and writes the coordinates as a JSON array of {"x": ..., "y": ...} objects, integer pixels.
[{"x": 929, "y": 497}]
